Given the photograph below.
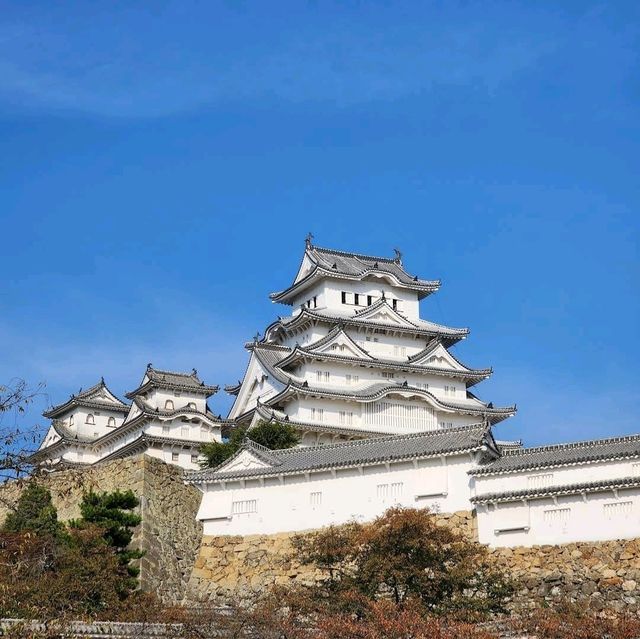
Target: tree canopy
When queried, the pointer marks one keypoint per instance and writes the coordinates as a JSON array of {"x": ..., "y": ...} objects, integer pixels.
[{"x": 272, "y": 435}]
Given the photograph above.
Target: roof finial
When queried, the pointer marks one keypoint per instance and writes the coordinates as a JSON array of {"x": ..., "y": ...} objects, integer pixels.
[
  {"x": 256, "y": 337},
  {"x": 309, "y": 240},
  {"x": 398, "y": 257},
  {"x": 149, "y": 365},
  {"x": 194, "y": 372},
  {"x": 384, "y": 297},
  {"x": 102, "y": 379}
]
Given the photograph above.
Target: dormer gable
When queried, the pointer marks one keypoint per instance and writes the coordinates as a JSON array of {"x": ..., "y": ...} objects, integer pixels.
[
  {"x": 437, "y": 356},
  {"x": 249, "y": 457},
  {"x": 382, "y": 313},
  {"x": 337, "y": 342}
]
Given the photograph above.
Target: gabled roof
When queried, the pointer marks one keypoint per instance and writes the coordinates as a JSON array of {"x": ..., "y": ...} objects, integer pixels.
[
  {"x": 312, "y": 352},
  {"x": 361, "y": 452},
  {"x": 171, "y": 380},
  {"x": 416, "y": 328},
  {"x": 582, "y": 452},
  {"x": 555, "y": 491},
  {"x": 319, "y": 263},
  {"x": 98, "y": 397}
]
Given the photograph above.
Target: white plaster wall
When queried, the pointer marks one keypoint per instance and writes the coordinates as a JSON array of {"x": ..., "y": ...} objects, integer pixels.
[
  {"x": 287, "y": 504},
  {"x": 158, "y": 399},
  {"x": 592, "y": 517},
  {"x": 100, "y": 417},
  {"x": 570, "y": 474},
  {"x": 301, "y": 410}
]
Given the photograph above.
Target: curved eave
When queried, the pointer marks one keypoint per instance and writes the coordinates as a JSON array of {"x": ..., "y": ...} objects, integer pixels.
[
  {"x": 472, "y": 376},
  {"x": 494, "y": 415},
  {"x": 61, "y": 409},
  {"x": 233, "y": 389},
  {"x": 447, "y": 337},
  {"x": 141, "y": 443},
  {"x": 422, "y": 287},
  {"x": 183, "y": 388},
  {"x": 146, "y": 415}
]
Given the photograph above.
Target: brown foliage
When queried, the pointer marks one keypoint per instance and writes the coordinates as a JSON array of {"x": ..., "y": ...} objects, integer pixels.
[
  {"x": 43, "y": 577},
  {"x": 406, "y": 556}
]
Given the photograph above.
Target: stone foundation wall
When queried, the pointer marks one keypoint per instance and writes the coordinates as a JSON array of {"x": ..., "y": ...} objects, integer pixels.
[
  {"x": 603, "y": 575},
  {"x": 230, "y": 567},
  {"x": 169, "y": 533}
]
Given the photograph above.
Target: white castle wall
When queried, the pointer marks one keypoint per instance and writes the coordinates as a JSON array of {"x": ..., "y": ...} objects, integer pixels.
[{"x": 317, "y": 499}]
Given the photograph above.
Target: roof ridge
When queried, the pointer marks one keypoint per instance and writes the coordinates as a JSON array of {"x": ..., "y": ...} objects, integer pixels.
[
  {"x": 330, "y": 251},
  {"x": 569, "y": 445},
  {"x": 193, "y": 374},
  {"x": 369, "y": 440}
]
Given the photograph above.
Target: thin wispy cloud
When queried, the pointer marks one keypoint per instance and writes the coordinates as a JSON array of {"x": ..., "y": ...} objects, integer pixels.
[{"x": 119, "y": 73}]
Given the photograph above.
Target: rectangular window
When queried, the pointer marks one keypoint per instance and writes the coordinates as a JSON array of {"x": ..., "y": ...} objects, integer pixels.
[
  {"x": 194, "y": 458},
  {"x": 351, "y": 379},
  {"x": 315, "y": 499},
  {"x": 184, "y": 431},
  {"x": 539, "y": 481},
  {"x": 617, "y": 509},
  {"x": 369, "y": 300},
  {"x": 174, "y": 457},
  {"x": 356, "y": 299},
  {"x": 556, "y": 515},
  {"x": 394, "y": 304},
  {"x": 244, "y": 507},
  {"x": 317, "y": 414},
  {"x": 165, "y": 430},
  {"x": 386, "y": 491},
  {"x": 446, "y": 424},
  {"x": 327, "y": 377},
  {"x": 349, "y": 418},
  {"x": 203, "y": 432},
  {"x": 341, "y": 417},
  {"x": 388, "y": 375},
  {"x": 315, "y": 302},
  {"x": 344, "y": 297},
  {"x": 450, "y": 390},
  {"x": 318, "y": 376}
]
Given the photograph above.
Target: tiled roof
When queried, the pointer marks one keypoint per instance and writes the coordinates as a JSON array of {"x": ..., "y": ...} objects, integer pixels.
[
  {"x": 329, "y": 262},
  {"x": 471, "y": 375},
  {"x": 420, "y": 327},
  {"x": 84, "y": 399},
  {"x": 551, "y": 491},
  {"x": 171, "y": 380},
  {"x": 362, "y": 451},
  {"x": 562, "y": 454}
]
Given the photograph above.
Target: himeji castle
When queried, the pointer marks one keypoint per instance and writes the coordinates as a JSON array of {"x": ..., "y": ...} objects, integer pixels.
[
  {"x": 386, "y": 416},
  {"x": 167, "y": 418},
  {"x": 355, "y": 359}
]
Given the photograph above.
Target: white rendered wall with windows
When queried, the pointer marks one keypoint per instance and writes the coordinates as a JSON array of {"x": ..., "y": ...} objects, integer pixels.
[{"x": 303, "y": 502}]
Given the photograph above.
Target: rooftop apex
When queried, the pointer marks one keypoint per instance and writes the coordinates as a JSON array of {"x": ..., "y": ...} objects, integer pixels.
[{"x": 320, "y": 262}]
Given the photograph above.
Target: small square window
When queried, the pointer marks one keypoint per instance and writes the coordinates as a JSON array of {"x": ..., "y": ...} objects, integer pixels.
[{"x": 174, "y": 456}]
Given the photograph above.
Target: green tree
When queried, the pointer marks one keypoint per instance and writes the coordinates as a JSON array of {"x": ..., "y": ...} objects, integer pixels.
[
  {"x": 34, "y": 512},
  {"x": 111, "y": 512},
  {"x": 272, "y": 435}
]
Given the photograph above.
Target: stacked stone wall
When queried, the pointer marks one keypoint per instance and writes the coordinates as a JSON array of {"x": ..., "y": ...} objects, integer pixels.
[
  {"x": 601, "y": 575},
  {"x": 169, "y": 533}
]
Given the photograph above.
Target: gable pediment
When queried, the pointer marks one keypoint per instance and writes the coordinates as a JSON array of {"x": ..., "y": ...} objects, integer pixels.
[
  {"x": 340, "y": 344},
  {"x": 245, "y": 460},
  {"x": 439, "y": 357},
  {"x": 383, "y": 314}
]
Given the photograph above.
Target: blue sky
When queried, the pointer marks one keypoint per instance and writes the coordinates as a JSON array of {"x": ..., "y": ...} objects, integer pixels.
[{"x": 161, "y": 163}]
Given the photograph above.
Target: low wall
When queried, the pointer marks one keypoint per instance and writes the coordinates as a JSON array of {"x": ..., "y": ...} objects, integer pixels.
[{"x": 169, "y": 533}]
